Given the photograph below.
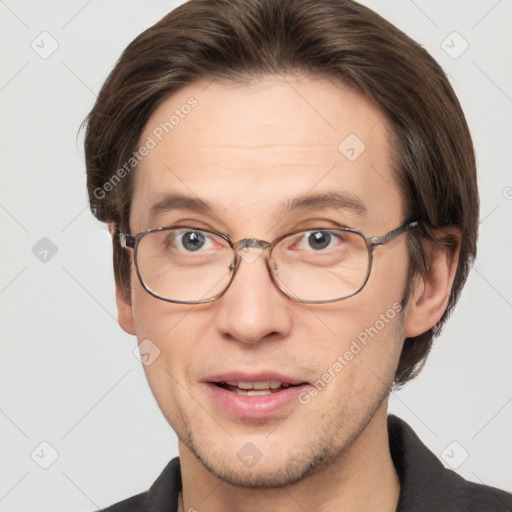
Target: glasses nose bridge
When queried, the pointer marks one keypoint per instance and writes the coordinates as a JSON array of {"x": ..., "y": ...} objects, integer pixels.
[
  {"x": 250, "y": 242},
  {"x": 249, "y": 249}
]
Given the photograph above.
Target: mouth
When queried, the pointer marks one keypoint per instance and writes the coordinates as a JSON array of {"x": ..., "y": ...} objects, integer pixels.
[
  {"x": 255, "y": 396},
  {"x": 261, "y": 388}
]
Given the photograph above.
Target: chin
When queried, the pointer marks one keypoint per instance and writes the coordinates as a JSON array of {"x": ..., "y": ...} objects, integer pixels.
[{"x": 280, "y": 471}]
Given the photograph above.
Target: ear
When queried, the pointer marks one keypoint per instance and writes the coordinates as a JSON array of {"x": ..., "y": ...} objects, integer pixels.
[
  {"x": 430, "y": 294},
  {"x": 124, "y": 311},
  {"x": 124, "y": 307}
]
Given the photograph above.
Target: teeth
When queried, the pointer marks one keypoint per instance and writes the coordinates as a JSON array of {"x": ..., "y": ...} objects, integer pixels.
[
  {"x": 253, "y": 392},
  {"x": 247, "y": 385},
  {"x": 260, "y": 385}
]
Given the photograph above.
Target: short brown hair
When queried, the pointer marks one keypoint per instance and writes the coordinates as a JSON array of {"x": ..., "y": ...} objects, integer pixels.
[{"x": 240, "y": 40}]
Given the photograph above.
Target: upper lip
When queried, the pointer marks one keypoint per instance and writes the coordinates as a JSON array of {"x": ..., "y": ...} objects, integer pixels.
[{"x": 262, "y": 376}]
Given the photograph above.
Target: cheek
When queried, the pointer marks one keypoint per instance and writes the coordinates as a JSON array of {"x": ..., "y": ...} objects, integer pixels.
[
  {"x": 374, "y": 312},
  {"x": 172, "y": 331},
  {"x": 358, "y": 341},
  {"x": 358, "y": 368},
  {"x": 154, "y": 318},
  {"x": 162, "y": 331},
  {"x": 389, "y": 270}
]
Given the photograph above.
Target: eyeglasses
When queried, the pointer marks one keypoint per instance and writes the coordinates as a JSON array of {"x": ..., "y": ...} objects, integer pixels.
[{"x": 186, "y": 265}]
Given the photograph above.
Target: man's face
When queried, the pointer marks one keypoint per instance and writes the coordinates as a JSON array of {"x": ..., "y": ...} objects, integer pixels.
[{"x": 249, "y": 151}]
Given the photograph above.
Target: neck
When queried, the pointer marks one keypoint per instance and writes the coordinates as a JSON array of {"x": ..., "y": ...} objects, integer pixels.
[{"x": 363, "y": 478}]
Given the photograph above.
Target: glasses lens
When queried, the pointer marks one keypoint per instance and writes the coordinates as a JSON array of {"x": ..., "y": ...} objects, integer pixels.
[
  {"x": 184, "y": 265},
  {"x": 321, "y": 265}
]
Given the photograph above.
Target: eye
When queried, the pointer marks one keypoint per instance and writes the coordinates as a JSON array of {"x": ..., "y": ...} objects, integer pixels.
[
  {"x": 191, "y": 241},
  {"x": 317, "y": 240}
]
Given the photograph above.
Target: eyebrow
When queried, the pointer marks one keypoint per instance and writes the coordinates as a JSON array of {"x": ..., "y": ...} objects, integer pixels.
[
  {"x": 332, "y": 199},
  {"x": 179, "y": 202},
  {"x": 304, "y": 203}
]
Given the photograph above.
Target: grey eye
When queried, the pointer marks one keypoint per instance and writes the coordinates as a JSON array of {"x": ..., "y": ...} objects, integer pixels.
[
  {"x": 193, "y": 240},
  {"x": 319, "y": 240}
]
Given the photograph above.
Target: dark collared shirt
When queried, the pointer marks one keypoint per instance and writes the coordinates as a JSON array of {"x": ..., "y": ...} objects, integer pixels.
[{"x": 425, "y": 485}]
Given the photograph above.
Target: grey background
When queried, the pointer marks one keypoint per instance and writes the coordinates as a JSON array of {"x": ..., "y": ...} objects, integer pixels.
[{"x": 68, "y": 374}]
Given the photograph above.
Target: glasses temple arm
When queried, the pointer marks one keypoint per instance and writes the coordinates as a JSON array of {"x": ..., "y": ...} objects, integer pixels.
[
  {"x": 126, "y": 241},
  {"x": 383, "y": 240}
]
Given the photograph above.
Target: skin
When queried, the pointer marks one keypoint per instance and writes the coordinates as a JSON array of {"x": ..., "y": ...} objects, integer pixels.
[{"x": 247, "y": 150}]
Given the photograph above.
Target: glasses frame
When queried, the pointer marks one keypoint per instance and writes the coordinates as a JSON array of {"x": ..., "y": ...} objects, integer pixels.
[{"x": 132, "y": 242}]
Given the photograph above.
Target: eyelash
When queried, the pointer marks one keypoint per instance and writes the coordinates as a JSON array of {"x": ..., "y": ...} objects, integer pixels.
[{"x": 310, "y": 225}]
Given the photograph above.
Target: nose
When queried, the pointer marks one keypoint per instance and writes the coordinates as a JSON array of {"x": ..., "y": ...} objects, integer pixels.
[{"x": 252, "y": 308}]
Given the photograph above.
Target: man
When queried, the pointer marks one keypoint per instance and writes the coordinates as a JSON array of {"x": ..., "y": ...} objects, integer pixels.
[{"x": 291, "y": 192}]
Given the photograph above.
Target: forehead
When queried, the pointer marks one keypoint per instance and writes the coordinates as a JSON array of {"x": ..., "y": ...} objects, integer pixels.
[{"x": 252, "y": 148}]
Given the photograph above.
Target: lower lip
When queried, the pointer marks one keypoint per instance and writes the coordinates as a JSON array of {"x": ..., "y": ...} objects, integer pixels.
[{"x": 255, "y": 407}]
